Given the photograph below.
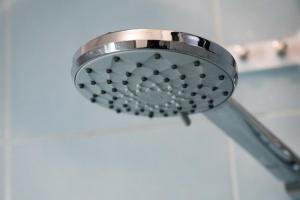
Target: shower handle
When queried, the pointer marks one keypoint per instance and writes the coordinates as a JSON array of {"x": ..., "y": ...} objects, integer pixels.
[{"x": 253, "y": 136}]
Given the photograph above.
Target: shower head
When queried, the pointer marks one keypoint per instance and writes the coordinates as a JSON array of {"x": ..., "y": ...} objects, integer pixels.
[
  {"x": 154, "y": 72},
  {"x": 164, "y": 73}
]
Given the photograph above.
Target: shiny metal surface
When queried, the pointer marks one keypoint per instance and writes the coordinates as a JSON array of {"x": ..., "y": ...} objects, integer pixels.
[
  {"x": 240, "y": 125},
  {"x": 165, "y": 73},
  {"x": 293, "y": 189},
  {"x": 154, "y": 72},
  {"x": 154, "y": 39}
]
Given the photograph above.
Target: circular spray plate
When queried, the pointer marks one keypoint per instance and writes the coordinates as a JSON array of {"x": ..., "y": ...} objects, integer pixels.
[
  {"x": 154, "y": 72},
  {"x": 153, "y": 82}
]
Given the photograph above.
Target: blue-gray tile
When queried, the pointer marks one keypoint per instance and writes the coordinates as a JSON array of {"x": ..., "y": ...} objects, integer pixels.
[
  {"x": 45, "y": 35},
  {"x": 1, "y": 171},
  {"x": 270, "y": 91},
  {"x": 255, "y": 182},
  {"x": 2, "y": 63},
  {"x": 247, "y": 21},
  {"x": 174, "y": 162}
]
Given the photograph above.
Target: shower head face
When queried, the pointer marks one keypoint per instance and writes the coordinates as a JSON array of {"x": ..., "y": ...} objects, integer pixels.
[{"x": 154, "y": 73}]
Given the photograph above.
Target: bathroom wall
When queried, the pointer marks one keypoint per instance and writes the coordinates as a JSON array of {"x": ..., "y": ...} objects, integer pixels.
[{"x": 55, "y": 145}]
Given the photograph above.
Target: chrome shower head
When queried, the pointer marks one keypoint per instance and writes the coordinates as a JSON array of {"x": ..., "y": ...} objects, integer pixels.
[
  {"x": 164, "y": 73},
  {"x": 154, "y": 72}
]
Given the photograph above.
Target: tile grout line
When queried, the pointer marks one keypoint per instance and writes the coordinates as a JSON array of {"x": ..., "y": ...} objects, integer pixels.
[
  {"x": 94, "y": 133},
  {"x": 7, "y": 106},
  {"x": 278, "y": 114},
  {"x": 98, "y": 132},
  {"x": 7, "y": 98},
  {"x": 233, "y": 169},
  {"x": 217, "y": 20}
]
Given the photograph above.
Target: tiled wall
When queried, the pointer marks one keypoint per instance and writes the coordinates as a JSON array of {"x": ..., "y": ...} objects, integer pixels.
[
  {"x": 2, "y": 99},
  {"x": 55, "y": 145}
]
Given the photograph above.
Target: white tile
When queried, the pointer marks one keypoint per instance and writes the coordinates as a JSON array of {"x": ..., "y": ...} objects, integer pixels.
[
  {"x": 45, "y": 36},
  {"x": 247, "y": 21},
  {"x": 255, "y": 182},
  {"x": 167, "y": 163}
]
